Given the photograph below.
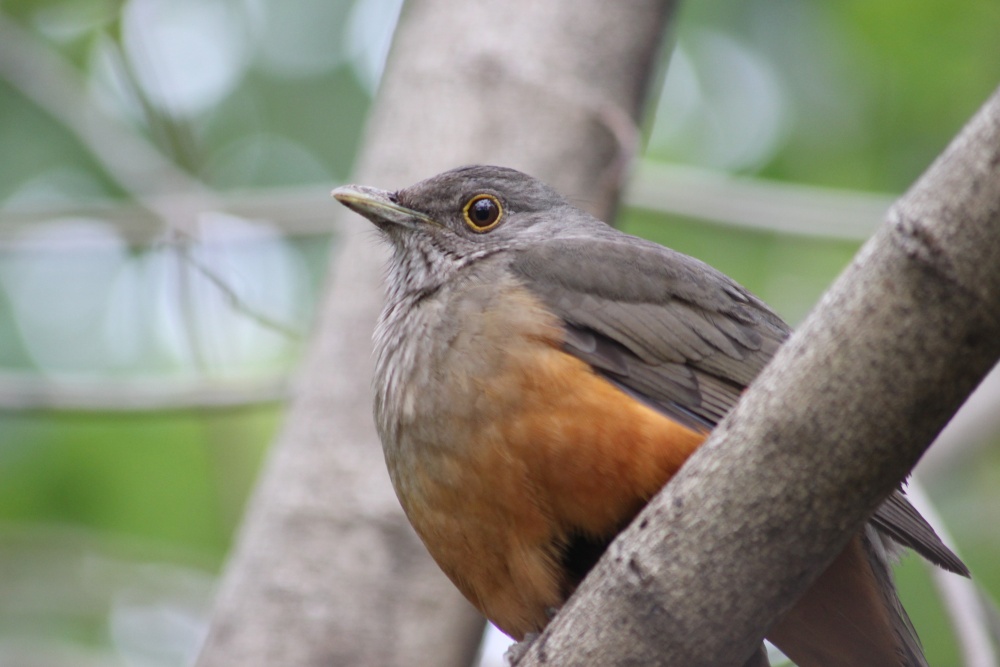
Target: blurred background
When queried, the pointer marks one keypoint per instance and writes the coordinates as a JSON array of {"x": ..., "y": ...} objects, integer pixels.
[{"x": 146, "y": 352}]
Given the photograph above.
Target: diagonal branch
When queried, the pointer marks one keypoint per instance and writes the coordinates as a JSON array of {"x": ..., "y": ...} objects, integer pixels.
[{"x": 826, "y": 433}]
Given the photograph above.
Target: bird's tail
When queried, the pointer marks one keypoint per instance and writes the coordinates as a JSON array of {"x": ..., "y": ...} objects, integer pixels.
[{"x": 851, "y": 616}]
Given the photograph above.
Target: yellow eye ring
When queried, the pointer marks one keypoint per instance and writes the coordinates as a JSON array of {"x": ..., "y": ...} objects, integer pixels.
[{"x": 482, "y": 213}]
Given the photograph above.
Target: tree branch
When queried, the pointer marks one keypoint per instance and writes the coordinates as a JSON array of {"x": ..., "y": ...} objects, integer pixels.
[
  {"x": 756, "y": 203},
  {"x": 326, "y": 570},
  {"x": 972, "y": 429},
  {"x": 826, "y": 433}
]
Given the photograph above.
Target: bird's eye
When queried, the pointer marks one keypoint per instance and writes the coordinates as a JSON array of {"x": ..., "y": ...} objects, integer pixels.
[{"x": 482, "y": 213}]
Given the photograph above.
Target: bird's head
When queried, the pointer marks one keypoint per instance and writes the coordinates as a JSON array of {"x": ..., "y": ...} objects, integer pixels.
[{"x": 449, "y": 221}]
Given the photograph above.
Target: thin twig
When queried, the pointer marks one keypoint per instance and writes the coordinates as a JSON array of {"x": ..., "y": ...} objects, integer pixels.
[
  {"x": 766, "y": 206},
  {"x": 47, "y": 79},
  {"x": 961, "y": 597},
  {"x": 236, "y": 302},
  {"x": 24, "y": 391}
]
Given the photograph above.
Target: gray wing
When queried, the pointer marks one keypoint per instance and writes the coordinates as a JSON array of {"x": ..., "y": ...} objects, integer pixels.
[
  {"x": 663, "y": 326},
  {"x": 679, "y": 335}
]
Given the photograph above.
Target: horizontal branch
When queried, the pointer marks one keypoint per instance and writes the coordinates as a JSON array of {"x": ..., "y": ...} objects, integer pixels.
[
  {"x": 766, "y": 206},
  {"x": 755, "y": 203},
  {"x": 24, "y": 391}
]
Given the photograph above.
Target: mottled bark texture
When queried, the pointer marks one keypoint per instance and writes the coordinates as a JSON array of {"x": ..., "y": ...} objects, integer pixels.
[
  {"x": 832, "y": 425},
  {"x": 326, "y": 570}
]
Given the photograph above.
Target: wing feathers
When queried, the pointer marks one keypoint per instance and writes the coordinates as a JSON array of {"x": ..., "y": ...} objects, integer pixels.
[{"x": 678, "y": 335}]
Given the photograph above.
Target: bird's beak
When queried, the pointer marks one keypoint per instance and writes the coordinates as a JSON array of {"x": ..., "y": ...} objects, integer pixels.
[{"x": 378, "y": 206}]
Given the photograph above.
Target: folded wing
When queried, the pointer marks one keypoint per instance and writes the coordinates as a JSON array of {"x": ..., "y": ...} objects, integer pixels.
[{"x": 678, "y": 335}]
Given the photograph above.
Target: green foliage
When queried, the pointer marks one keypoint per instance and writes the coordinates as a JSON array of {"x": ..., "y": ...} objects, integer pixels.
[{"x": 871, "y": 92}]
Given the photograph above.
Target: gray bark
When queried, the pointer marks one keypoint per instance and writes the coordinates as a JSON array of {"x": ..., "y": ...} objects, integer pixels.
[
  {"x": 326, "y": 570},
  {"x": 829, "y": 429}
]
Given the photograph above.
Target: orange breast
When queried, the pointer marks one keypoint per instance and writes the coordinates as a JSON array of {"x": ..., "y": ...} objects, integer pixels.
[{"x": 551, "y": 449}]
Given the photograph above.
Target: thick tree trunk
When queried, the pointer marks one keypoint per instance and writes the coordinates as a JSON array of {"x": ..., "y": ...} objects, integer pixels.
[
  {"x": 826, "y": 433},
  {"x": 326, "y": 570}
]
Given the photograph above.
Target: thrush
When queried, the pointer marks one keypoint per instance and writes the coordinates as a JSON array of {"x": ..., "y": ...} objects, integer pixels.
[{"x": 541, "y": 375}]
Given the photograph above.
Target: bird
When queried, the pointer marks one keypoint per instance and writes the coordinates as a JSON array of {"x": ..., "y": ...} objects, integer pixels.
[{"x": 540, "y": 375}]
